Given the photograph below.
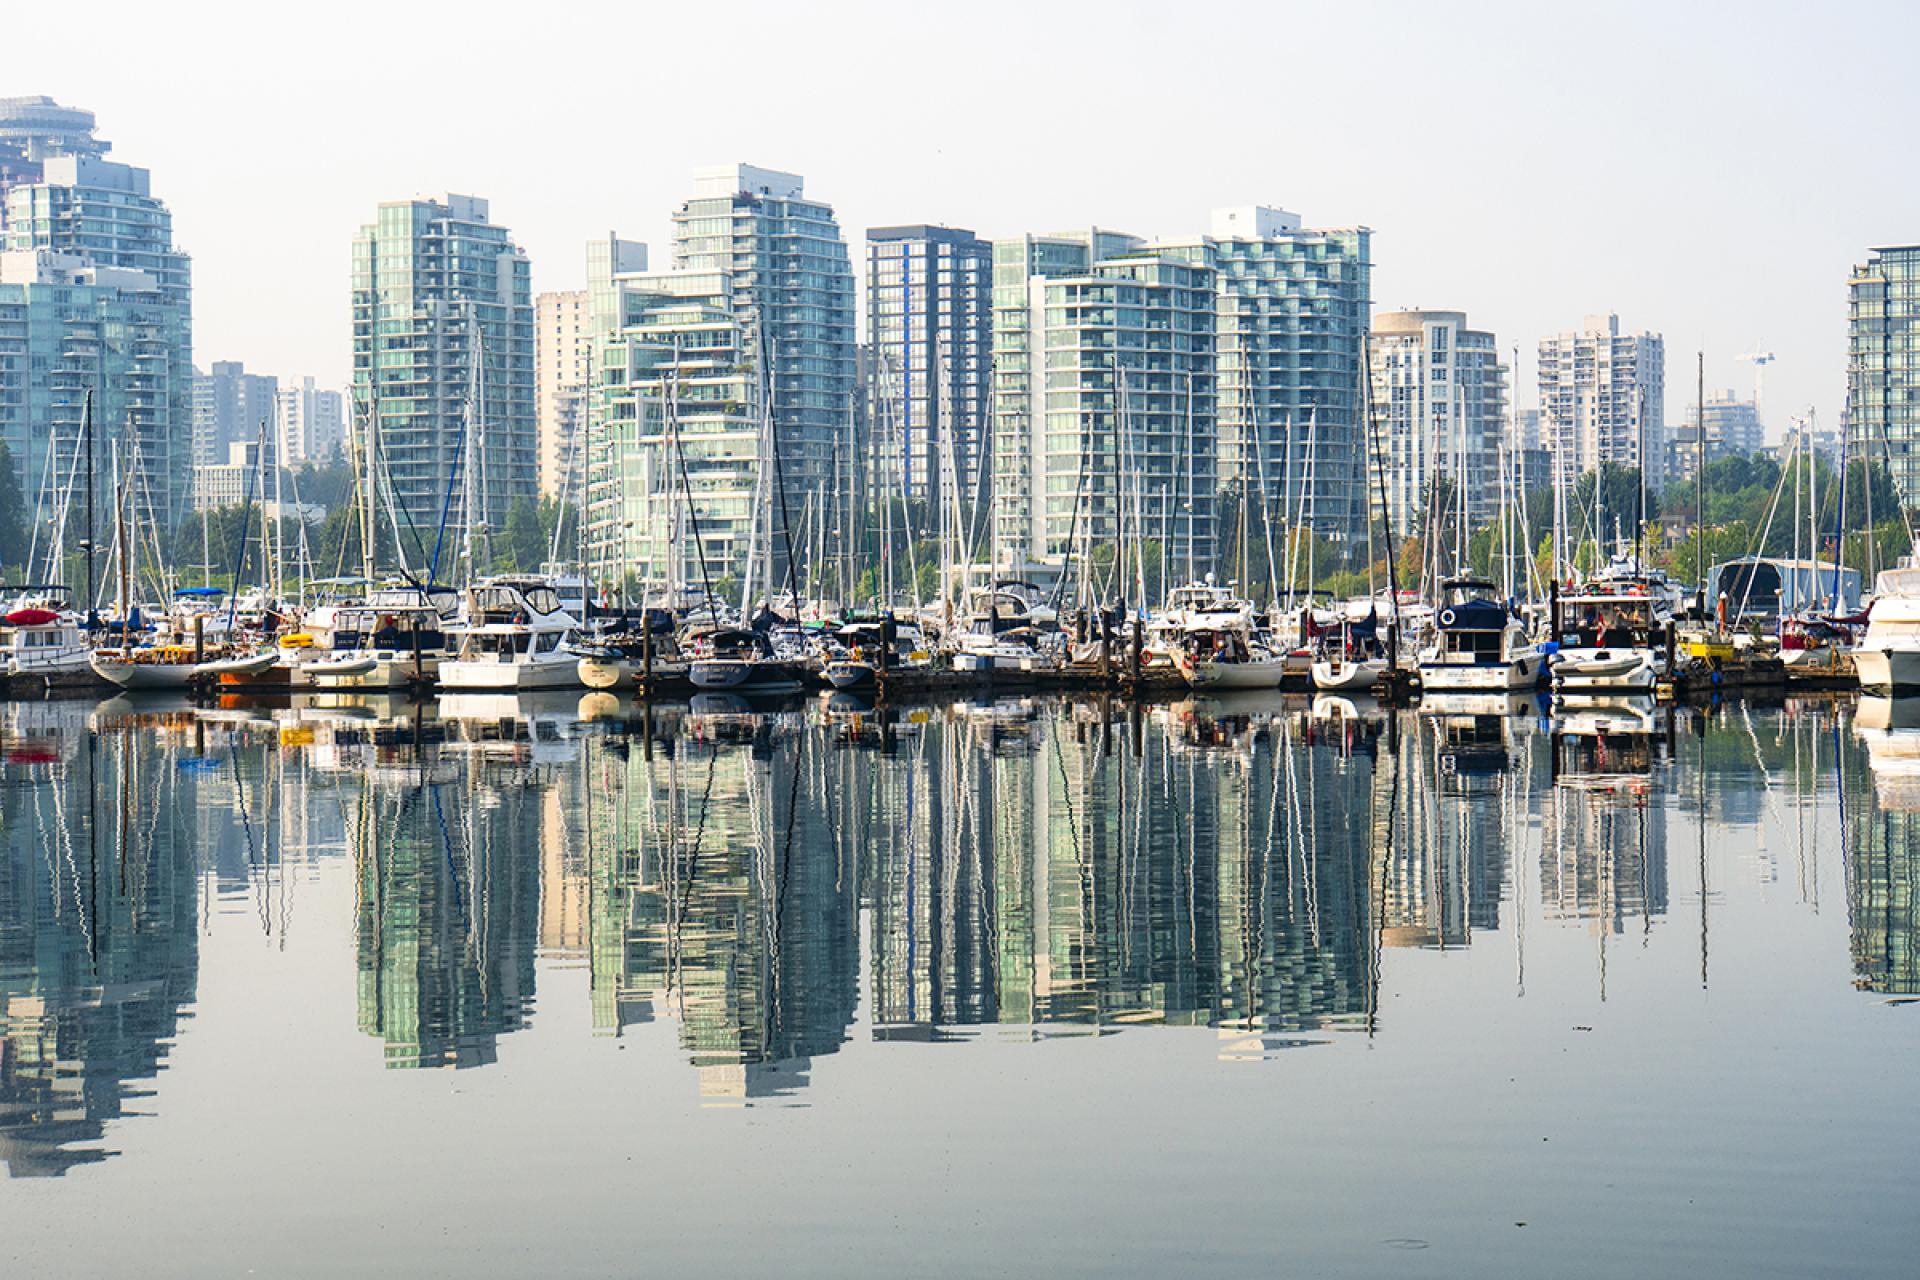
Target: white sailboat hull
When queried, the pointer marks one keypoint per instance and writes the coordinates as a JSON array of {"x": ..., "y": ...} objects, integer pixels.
[
  {"x": 1346, "y": 676},
  {"x": 1256, "y": 673},
  {"x": 172, "y": 676}
]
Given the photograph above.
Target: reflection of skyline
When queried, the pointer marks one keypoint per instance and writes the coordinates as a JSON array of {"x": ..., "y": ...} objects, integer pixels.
[
  {"x": 447, "y": 917},
  {"x": 1881, "y": 839},
  {"x": 1046, "y": 868},
  {"x": 98, "y": 949}
]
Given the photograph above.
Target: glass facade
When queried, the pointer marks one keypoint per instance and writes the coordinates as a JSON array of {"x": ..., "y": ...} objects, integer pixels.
[
  {"x": 1439, "y": 403},
  {"x": 1292, "y": 317},
  {"x": 443, "y": 337},
  {"x": 791, "y": 283},
  {"x": 1104, "y": 404},
  {"x": 1883, "y": 348},
  {"x": 930, "y": 323},
  {"x": 94, "y": 297}
]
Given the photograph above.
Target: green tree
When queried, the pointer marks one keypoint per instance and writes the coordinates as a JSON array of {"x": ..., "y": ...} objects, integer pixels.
[
  {"x": 523, "y": 547},
  {"x": 13, "y": 515}
]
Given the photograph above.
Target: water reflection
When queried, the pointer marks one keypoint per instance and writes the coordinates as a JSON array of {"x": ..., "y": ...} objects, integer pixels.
[
  {"x": 98, "y": 930},
  {"x": 763, "y": 883}
]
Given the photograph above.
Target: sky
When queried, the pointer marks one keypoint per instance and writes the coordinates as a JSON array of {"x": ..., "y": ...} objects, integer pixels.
[{"x": 1707, "y": 171}]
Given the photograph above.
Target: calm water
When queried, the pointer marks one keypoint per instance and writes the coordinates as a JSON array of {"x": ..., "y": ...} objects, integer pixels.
[{"x": 1251, "y": 988}]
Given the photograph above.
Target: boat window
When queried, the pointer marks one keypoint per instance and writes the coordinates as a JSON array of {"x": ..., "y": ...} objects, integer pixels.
[
  {"x": 542, "y": 599},
  {"x": 547, "y": 642}
]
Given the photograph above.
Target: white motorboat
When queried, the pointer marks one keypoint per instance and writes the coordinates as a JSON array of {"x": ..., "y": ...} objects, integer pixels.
[
  {"x": 1613, "y": 634},
  {"x": 396, "y": 640},
  {"x": 41, "y": 645},
  {"x": 1888, "y": 659},
  {"x": 517, "y": 637},
  {"x": 1479, "y": 645}
]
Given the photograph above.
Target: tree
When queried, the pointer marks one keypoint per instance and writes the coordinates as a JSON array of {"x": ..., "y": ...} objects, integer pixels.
[
  {"x": 13, "y": 517},
  {"x": 525, "y": 548}
]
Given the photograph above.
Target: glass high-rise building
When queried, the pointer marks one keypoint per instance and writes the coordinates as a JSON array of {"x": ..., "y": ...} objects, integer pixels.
[
  {"x": 1883, "y": 362},
  {"x": 443, "y": 361},
  {"x": 94, "y": 297},
  {"x": 675, "y": 428},
  {"x": 791, "y": 283},
  {"x": 1104, "y": 407},
  {"x": 930, "y": 375},
  {"x": 1291, "y": 325}
]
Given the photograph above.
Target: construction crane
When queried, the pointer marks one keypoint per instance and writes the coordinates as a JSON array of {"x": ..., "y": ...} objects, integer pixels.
[{"x": 1759, "y": 360}]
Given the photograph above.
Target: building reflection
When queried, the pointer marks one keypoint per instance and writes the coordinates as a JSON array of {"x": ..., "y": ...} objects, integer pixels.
[
  {"x": 1880, "y": 838},
  {"x": 446, "y": 858},
  {"x": 98, "y": 912}
]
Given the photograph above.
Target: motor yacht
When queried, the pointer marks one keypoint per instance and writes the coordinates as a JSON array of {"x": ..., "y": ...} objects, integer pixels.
[{"x": 516, "y": 636}]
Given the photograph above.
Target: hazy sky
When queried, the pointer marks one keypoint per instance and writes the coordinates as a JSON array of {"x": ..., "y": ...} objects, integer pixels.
[{"x": 1707, "y": 171}]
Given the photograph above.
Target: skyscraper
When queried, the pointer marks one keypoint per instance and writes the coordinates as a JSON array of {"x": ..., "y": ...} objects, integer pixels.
[
  {"x": 1104, "y": 419},
  {"x": 93, "y": 297},
  {"x": 930, "y": 323},
  {"x": 787, "y": 269},
  {"x": 675, "y": 428},
  {"x": 1883, "y": 361},
  {"x": 1603, "y": 394},
  {"x": 1291, "y": 327},
  {"x": 313, "y": 422},
  {"x": 31, "y": 129},
  {"x": 1439, "y": 400},
  {"x": 443, "y": 358},
  {"x": 563, "y": 347},
  {"x": 1733, "y": 427},
  {"x": 229, "y": 406}
]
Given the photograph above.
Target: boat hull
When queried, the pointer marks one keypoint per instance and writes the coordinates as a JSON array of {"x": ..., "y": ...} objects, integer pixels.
[
  {"x": 1352, "y": 677},
  {"x": 372, "y": 671},
  {"x": 510, "y": 676},
  {"x": 146, "y": 676},
  {"x": 1888, "y": 670},
  {"x": 1521, "y": 672},
  {"x": 1260, "y": 673},
  {"x": 1619, "y": 670},
  {"x": 732, "y": 675}
]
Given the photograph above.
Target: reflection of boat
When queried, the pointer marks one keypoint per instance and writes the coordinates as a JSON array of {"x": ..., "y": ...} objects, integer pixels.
[
  {"x": 1454, "y": 703},
  {"x": 1605, "y": 744},
  {"x": 1890, "y": 728},
  {"x": 1594, "y": 714}
]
